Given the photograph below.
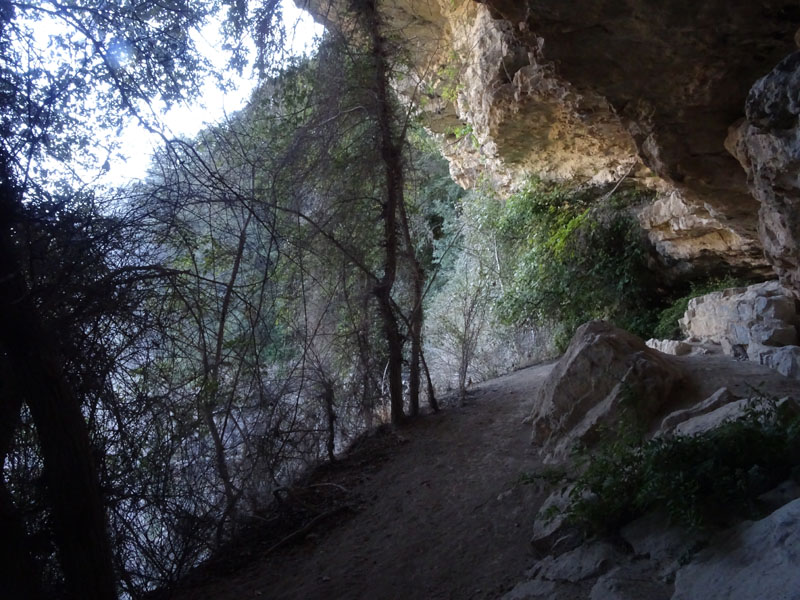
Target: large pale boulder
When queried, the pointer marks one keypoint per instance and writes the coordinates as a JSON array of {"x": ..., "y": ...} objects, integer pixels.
[
  {"x": 604, "y": 373},
  {"x": 765, "y": 313},
  {"x": 755, "y": 560},
  {"x": 759, "y": 323},
  {"x": 608, "y": 377}
]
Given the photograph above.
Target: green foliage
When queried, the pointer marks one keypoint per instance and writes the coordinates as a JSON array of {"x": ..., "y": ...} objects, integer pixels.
[
  {"x": 575, "y": 257},
  {"x": 697, "y": 480},
  {"x": 464, "y": 131},
  {"x": 667, "y": 325}
]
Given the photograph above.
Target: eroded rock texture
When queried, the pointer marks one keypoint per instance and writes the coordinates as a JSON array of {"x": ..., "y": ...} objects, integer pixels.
[
  {"x": 759, "y": 323},
  {"x": 598, "y": 90},
  {"x": 605, "y": 83},
  {"x": 767, "y": 144}
]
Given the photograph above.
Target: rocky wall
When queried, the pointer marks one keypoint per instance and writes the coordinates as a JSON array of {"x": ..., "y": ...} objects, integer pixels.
[
  {"x": 767, "y": 144},
  {"x": 594, "y": 91}
]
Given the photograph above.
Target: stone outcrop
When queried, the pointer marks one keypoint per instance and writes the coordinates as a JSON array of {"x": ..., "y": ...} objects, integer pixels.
[
  {"x": 759, "y": 323},
  {"x": 608, "y": 376},
  {"x": 767, "y": 144},
  {"x": 608, "y": 379},
  {"x": 651, "y": 558},
  {"x": 764, "y": 314},
  {"x": 656, "y": 561},
  {"x": 667, "y": 81},
  {"x": 754, "y": 560},
  {"x": 605, "y": 372},
  {"x": 598, "y": 91}
]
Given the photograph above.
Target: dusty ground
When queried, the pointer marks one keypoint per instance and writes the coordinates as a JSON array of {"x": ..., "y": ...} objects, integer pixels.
[{"x": 443, "y": 515}]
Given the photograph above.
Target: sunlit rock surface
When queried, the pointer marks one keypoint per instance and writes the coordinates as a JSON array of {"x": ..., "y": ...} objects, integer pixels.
[{"x": 594, "y": 91}]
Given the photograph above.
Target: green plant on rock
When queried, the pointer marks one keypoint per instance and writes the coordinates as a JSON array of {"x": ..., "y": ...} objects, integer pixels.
[
  {"x": 667, "y": 327},
  {"x": 576, "y": 257},
  {"x": 697, "y": 480},
  {"x": 464, "y": 131}
]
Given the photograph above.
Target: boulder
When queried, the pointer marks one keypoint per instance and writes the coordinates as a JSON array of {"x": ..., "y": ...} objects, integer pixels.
[
  {"x": 674, "y": 347},
  {"x": 631, "y": 582},
  {"x": 754, "y": 560},
  {"x": 587, "y": 561},
  {"x": 711, "y": 420},
  {"x": 606, "y": 372},
  {"x": 568, "y": 576},
  {"x": 709, "y": 414},
  {"x": 718, "y": 399},
  {"x": 765, "y": 313},
  {"x": 653, "y": 537},
  {"x": 552, "y": 534}
]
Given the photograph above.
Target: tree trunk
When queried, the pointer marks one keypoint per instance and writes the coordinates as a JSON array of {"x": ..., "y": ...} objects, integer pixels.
[
  {"x": 393, "y": 168},
  {"x": 69, "y": 469},
  {"x": 415, "y": 332},
  {"x": 19, "y": 576},
  {"x": 395, "y": 343},
  {"x": 328, "y": 399},
  {"x": 432, "y": 402},
  {"x": 415, "y": 320}
]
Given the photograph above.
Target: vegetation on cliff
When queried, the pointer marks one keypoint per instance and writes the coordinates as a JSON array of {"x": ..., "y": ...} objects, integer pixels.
[{"x": 175, "y": 351}]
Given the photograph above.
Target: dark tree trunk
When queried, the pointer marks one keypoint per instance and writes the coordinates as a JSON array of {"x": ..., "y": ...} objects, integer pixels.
[
  {"x": 394, "y": 341},
  {"x": 434, "y": 404},
  {"x": 69, "y": 469},
  {"x": 330, "y": 413},
  {"x": 415, "y": 332},
  {"x": 415, "y": 320},
  {"x": 19, "y": 576},
  {"x": 391, "y": 155}
]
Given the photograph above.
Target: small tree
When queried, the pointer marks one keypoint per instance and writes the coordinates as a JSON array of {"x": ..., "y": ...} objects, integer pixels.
[{"x": 461, "y": 314}]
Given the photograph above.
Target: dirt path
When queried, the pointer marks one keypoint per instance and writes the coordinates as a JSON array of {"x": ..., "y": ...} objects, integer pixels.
[{"x": 444, "y": 517}]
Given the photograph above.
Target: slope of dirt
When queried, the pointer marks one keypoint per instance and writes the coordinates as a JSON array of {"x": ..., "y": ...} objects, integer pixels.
[{"x": 442, "y": 516}]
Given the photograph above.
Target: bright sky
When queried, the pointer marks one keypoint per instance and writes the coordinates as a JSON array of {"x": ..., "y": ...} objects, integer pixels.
[{"x": 211, "y": 107}]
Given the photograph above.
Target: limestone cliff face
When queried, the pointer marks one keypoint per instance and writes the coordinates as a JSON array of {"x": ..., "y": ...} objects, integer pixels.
[
  {"x": 588, "y": 89},
  {"x": 767, "y": 143},
  {"x": 597, "y": 90}
]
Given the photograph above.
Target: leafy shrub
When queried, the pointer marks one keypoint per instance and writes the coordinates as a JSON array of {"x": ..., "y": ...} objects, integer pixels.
[
  {"x": 697, "y": 480},
  {"x": 576, "y": 257},
  {"x": 667, "y": 327}
]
